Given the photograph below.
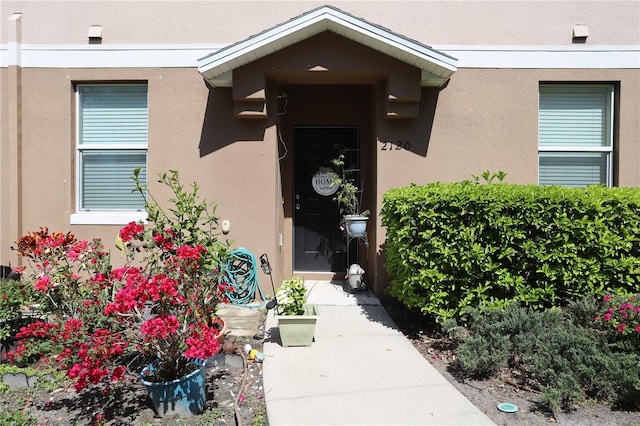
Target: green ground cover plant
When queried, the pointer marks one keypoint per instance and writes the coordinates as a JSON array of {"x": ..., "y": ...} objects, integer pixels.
[
  {"x": 570, "y": 355},
  {"x": 14, "y": 295},
  {"x": 16, "y": 419}
]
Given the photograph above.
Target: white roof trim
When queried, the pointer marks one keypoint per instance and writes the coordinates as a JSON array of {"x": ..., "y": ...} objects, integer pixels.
[{"x": 437, "y": 65}]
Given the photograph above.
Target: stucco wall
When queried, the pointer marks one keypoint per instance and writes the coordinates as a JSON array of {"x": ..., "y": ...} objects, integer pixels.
[
  {"x": 190, "y": 130},
  {"x": 488, "y": 120},
  {"x": 431, "y": 22},
  {"x": 4, "y": 171},
  {"x": 482, "y": 119}
]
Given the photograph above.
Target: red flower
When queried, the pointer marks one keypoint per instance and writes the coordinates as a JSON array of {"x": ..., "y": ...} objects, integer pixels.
[
  {"x": 77, "y": 250},
  {"x": 160, "y": 327},
  {"x": 189, "y": 252},
  {"x": 156, "y": 304},
  {"x": 131, "y": 231},
  {"x": 43, "y": 283},
  {"x": 202, "y": 343}
]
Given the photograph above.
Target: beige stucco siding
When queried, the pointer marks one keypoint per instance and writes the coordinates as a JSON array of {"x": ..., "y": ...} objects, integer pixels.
[
  {"x": 482, "y": 120},
  {"x": 488, "y": 120},
  {"x": 432, "y": 22},
  {"x": 236, "y": 141},
  {"x": 237, "y": 174}
]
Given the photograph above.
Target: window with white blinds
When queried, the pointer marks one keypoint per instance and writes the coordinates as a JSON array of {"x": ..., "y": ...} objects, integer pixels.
[
  {"x": 112, "y": 143},
  {"x": 575, "y": 134}
]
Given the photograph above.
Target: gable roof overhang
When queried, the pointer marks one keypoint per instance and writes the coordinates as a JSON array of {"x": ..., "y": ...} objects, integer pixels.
[{"x": 436, "y": 67}]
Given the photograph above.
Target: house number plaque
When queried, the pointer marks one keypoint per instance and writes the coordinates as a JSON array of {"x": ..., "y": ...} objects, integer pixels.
[{"x": 394, "y": 146}]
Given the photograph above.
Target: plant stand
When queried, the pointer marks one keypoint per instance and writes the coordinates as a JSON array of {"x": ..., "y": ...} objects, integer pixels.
[{"x": 360, "y": 238}]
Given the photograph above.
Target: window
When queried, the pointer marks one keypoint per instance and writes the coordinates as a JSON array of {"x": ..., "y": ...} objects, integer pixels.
[
  {"x": 575, "y": 134},
  {"x": 112, "y": 142}
]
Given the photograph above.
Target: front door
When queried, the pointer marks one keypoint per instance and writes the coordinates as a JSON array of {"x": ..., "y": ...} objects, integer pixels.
[{"x": 319, "y": 244}]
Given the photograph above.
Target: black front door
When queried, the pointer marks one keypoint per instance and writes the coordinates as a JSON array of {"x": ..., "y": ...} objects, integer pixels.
[{"x": 319, "y": 244}]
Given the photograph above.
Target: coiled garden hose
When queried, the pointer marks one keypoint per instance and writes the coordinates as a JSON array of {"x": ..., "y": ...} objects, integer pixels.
[{"x": 241, "y": 270}]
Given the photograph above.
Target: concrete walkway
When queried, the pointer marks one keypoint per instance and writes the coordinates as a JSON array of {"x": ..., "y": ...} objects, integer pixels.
[{"x": 360, "y": 370}]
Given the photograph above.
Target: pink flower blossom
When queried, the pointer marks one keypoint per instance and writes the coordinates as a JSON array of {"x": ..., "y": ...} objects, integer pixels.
[
  {"x": 76, "y": 251},
  {"x": 160, "y": 327},
  {"x": 131, "y": 231},
  {"x": 188, "y": 252},
  {"x": 202, "y": 343},
  {"x": 43, "y": 283}
]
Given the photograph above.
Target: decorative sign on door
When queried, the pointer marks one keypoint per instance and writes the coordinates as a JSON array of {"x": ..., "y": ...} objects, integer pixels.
[{"x": 321, "y": 181}]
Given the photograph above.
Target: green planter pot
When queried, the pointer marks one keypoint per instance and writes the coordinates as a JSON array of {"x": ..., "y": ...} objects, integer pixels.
[{"x": 298, "y": 330}]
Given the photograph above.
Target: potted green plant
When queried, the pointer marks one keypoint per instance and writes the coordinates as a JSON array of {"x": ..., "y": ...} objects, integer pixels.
[
  {"x": 296, "y": 318},
  {"x": 348, "y": 194}
]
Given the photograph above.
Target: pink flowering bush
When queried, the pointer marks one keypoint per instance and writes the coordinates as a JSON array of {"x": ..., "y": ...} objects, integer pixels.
[
  {"x": 71, "y": 287},
  {"x": 65, "y": 271},
  {"x": 160, "y": 305},
  {"x": 621, "y": 315}
]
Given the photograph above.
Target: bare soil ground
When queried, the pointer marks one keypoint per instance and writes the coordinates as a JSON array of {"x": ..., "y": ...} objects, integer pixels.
[
  {"x": 487, "y": 394},
  {"x": 129, "y": 405}
]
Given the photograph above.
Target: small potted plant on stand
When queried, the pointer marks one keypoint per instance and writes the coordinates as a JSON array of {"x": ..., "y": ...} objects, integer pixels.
[
  {"x": 348, "y": 198},
  {"x": 296, "y": 318}
]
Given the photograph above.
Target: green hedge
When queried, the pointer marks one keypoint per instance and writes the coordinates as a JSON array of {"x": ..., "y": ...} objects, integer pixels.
[{"x": 451, "y": 246}]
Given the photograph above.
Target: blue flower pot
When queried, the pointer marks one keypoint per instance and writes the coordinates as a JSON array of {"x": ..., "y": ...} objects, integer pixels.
[
  {"x": 186, "y": 395},
  {"x": 356, "y": 225}
]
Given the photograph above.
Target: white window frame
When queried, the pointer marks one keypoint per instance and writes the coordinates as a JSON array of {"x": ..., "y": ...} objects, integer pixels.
[
  {"x": 101, "y": 217},
  {"x": 607, "y": 149}
]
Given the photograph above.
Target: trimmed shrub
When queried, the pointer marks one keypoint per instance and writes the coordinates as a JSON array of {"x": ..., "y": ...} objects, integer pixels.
[{"x": 458, "y": 245}]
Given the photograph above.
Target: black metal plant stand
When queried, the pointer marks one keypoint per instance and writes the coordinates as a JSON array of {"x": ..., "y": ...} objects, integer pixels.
[{"x": 361, "y": 238}]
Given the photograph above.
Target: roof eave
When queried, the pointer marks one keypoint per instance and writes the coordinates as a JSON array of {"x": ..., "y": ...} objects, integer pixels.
[{"x": 217, "y": 68}]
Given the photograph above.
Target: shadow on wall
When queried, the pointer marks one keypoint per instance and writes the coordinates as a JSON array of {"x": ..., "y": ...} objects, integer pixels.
[
  {"x": 221, "y": 127},
  {"x": 412, "y": 134}
]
